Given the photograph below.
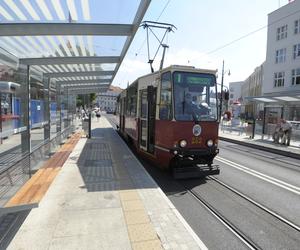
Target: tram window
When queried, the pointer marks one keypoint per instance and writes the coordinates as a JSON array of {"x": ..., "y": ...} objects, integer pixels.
[
  {"x": 165, "y": 107},
  {"x": 131, "y": 101}
]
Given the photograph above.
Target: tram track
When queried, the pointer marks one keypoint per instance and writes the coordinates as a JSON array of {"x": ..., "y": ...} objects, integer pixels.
[
  {"x": 237, "y": 232},
  {"x": 251, "y": 224},
  {"x": 269, "y": 211},
  {"x": 244, "y": 236},
  {"x": 217, "y": 213}
]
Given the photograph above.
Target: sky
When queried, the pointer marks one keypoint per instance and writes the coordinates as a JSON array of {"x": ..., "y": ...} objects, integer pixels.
[{"x": 202, "y": 28}]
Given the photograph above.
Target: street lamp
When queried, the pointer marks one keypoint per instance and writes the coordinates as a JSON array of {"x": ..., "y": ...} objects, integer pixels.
[{"x": 222, "y": 82}]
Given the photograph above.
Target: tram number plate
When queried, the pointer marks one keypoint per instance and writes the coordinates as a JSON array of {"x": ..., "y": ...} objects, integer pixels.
[{"x": 196, "y": 140}]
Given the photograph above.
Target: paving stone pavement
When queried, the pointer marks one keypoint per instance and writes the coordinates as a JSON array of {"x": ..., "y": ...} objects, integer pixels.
[{"x": 104, "y": 199}]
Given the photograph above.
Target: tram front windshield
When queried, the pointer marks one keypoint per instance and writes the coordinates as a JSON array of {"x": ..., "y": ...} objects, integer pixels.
[{"x": 194, "y": 96}]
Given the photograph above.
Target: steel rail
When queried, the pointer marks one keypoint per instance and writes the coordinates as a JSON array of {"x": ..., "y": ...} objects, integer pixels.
[
  {"x": 279, "y": 217},
  {"x": 243, "y": 237}
]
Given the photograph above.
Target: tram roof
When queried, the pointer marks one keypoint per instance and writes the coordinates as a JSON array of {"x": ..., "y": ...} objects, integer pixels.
[
  {"x": 82, "y": 42},
  {"x": 179, "y": 68}
]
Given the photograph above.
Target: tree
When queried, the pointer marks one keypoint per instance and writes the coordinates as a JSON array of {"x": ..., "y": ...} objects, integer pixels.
[{"x": 93, "y": 97}]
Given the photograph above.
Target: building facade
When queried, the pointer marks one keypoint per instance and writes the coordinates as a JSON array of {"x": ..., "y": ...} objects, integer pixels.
[
  {"x": 282, "y": 66},
  {"x": 283, "y": 50},
  {"x": 107, "y": 101},
  {"x": 252, "y": 87},
  {"x": 235, "y": 93}
]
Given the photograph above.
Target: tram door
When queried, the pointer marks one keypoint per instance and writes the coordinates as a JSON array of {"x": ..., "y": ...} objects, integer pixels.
[
  {"x": 147, "y": 119},
  {"x": 122, "y": 114}
]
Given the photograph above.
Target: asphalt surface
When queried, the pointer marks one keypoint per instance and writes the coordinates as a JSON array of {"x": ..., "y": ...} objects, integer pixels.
[
  {"x": 262, "y": 228},
  {"x": 269, "y": 179},
  {"x": 283, "y": 199},
  {"x": 211, "y": 231}
]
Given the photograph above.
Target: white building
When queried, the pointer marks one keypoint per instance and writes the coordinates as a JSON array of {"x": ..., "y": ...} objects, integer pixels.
[
  {"x": 282, "y": 67},
  {"x": 107, "y": 101},
  {"x": 235, "y": 92},
  {"x": 252, "y": 87}
]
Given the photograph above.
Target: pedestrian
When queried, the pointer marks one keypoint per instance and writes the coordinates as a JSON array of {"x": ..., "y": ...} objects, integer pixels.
[
  {"x": 286, "y": 132},
  {"x": 277, "y": 135},
  {"x": 93, "y": 114},
  {"x": 98, "y": 115}
]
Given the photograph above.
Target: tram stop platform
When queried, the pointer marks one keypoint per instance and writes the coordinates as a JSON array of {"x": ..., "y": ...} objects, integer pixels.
[
  {"x": 102, "y": 198},
  {"x": 262, "y": 143}
]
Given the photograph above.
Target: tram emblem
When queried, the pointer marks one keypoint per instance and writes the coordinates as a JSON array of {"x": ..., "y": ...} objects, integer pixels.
[{"x": 197, "y": 130}]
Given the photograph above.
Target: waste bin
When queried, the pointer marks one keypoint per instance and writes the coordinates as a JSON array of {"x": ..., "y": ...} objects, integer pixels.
[
  {"x": 250, "y": 129},
  {"x": 86, "y": 126}
]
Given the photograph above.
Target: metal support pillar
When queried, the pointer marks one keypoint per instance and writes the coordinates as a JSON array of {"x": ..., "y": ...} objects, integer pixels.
[
  {"x": 25, "y": 108},
  {"x": 58, "y": 112},
  {"x": 90, "y": 126},
  {"x": 46, "y": 83}
]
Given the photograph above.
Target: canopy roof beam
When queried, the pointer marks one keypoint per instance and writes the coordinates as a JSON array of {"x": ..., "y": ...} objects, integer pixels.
[
  {"x": 83, "y": 73},
  {"x": 65, "y": 29},
  {"x": 83, "y": 81},
  {"x": 86, "y": 90},
  {"x": 70, "y": 60},
  {"x": 144, "y": 4},
  {"x": 85, "y": 85}
]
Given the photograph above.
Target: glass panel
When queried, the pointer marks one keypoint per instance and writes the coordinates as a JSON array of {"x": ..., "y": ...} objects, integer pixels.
[
  {"x": 195, "y": 97},
  {"x": 37, "y": 106},
  {"x": 144, "y": 133},
  {"x": 13, "y": 110},
  {"x": 165, "y": 108},
  {"x": 144, "y": 109}
]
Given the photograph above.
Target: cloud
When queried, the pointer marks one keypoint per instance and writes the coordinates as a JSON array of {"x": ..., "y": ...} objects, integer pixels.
[{"x": 132, "y": 66}]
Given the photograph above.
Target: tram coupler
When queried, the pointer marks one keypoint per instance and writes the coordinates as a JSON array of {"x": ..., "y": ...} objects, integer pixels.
[{"x": 195, "y": 171}]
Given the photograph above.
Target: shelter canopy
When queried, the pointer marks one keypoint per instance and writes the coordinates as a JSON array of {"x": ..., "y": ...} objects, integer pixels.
[
  {"x": 80, "y": 41},
  {"x": 276, "y": 98}
]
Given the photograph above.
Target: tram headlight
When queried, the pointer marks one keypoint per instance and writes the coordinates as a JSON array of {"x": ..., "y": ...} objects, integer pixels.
[
  {"x": 210, "y": 143},
  {"x": 182, "y": 143}
]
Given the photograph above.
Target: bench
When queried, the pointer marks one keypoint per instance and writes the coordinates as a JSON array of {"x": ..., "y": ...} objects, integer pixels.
[{"x": 32, "y": 192}]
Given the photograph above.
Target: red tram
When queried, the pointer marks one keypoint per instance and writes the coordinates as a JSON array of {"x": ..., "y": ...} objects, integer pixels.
[{"x": 171, "y": 118}]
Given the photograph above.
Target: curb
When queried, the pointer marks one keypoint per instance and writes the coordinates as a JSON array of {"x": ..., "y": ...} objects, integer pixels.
[{"x": 268, "y": 149}]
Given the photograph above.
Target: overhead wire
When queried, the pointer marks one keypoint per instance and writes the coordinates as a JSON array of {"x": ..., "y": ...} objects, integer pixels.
[
  {"x": 143, "y": 43},
  {"x": 250, "y": 33}
]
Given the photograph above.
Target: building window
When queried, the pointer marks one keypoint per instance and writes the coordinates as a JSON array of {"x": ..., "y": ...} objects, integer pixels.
[
  {"x": 296, "y": 76},
  {"x": 297, "y": 26},
  {"x": 280, "y": 55},
  {"x": 297, "y": 51},
  {"x": 282, "y": 32},
  {"x": 278, "y": 79}
]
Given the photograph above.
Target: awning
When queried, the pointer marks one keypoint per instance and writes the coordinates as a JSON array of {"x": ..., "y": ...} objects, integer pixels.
[{"x": 275, "y": 98}]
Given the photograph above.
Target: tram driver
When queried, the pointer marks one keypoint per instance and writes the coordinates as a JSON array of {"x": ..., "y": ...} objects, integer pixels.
[{"x": 190, "y": 106}]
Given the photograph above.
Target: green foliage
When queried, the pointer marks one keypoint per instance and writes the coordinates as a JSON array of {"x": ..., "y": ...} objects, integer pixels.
[
  {"x": 93, "y": 97},
  {"x": 79, "y": 101}
]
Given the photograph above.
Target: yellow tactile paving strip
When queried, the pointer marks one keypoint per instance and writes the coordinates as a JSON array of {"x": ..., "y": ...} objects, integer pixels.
[{"x": 141, "y": 232}]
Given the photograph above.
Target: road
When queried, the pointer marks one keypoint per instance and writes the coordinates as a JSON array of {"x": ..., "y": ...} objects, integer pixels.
[
  {"x": 270, "y": 181},
  {"x": 253, "y": 204}
]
